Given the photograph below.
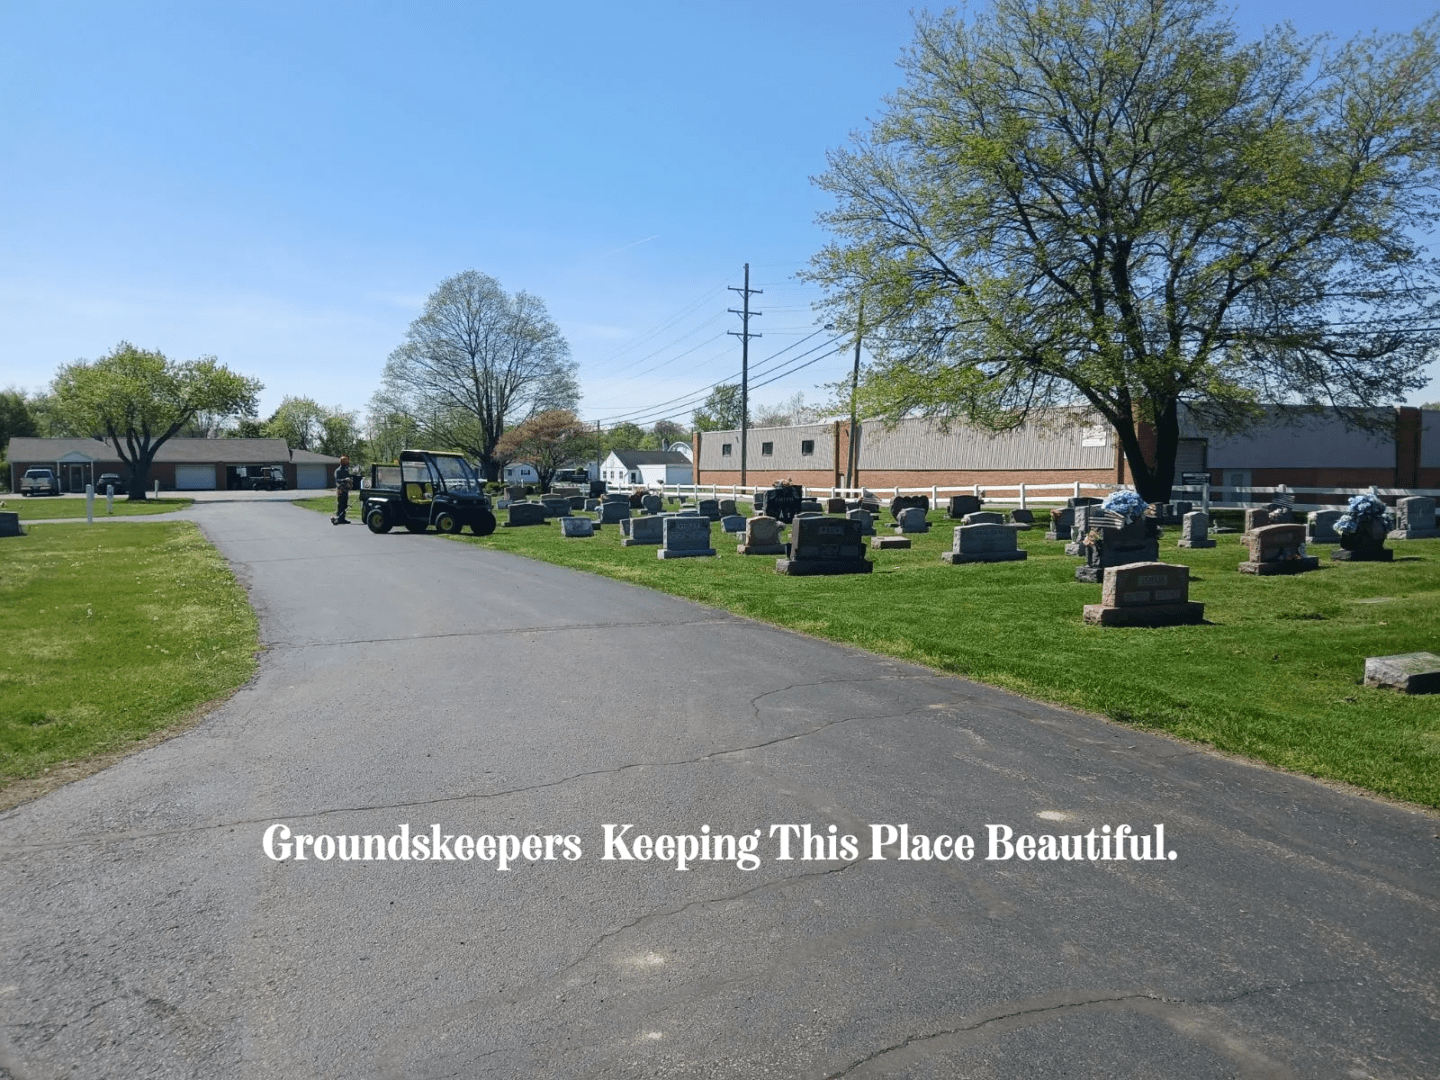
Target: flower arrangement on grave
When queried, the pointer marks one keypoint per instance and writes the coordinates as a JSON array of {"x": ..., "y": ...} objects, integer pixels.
[
  {"x": 1127, "y": 504},
  {"x": 1362, "y": 511}
]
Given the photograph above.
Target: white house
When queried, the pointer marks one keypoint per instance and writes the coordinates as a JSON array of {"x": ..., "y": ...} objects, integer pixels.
[{"x": 647, "y": 467}]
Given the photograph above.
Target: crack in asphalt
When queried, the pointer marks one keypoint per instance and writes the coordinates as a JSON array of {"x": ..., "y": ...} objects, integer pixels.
[
  {"x": 467, "y": 796},
  {"x": 1071, "y": 1005},
  {"x": 288, "y": 645},
  {"x": 667, "y": 912}
]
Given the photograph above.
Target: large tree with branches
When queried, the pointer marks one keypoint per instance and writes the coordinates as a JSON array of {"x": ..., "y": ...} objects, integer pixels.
[
  {"x": 477, "y": 362},
  {"x": 1117, "y": 204},
  {"x": 139, "y": 399}
]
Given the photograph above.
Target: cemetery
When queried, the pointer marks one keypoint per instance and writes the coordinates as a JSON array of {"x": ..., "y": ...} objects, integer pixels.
[{"x": 1274, "y": 663}]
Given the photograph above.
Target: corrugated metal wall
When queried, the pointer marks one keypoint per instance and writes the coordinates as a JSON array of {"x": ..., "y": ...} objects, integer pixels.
[
  {"x": 1315, "y": 442},
  {"x": 1430, "y": 438},
  {"x": 786, "y": 444},
  {"x": 921, "y": 444}
]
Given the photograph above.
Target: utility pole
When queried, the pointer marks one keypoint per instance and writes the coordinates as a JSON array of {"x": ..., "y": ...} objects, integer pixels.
[
  {"x": 744, "y": 335},
  {"x": 854, "y": 455}
]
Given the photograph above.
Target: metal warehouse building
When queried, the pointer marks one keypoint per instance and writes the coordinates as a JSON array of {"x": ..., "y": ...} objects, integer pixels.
[{"x": 1291, "y": 446}]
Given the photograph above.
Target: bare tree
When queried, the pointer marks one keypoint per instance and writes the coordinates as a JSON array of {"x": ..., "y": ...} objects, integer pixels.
[{"x": 479, "y": 361}]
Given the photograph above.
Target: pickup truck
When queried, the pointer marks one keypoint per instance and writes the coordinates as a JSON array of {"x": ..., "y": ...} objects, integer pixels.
[
  {"x": 427, "y": 488},
  {"x": 39, "y": 482}
]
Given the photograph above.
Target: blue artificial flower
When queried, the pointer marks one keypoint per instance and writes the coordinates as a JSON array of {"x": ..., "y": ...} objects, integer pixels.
[
  {"x": 1362, "y": 508},
  {"x": 1127, "y": 504}
]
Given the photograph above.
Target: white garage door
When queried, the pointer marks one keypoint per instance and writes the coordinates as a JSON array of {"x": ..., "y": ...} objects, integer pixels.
[
  {"x": 195, "y": 477},
  {"x": 310, "y": 476}
]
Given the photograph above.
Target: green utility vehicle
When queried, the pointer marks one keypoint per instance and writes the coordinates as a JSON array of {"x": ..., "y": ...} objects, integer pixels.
[{"x": 427, "y": 488}]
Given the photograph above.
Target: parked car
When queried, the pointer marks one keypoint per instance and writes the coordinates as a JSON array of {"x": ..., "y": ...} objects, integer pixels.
[
  {"x": 39, "y": 482},
  {"x": 109, "y": 479}
]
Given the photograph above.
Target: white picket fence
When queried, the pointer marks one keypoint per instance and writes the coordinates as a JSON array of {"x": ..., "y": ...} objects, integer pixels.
[{"x": 1024, "y": 496}]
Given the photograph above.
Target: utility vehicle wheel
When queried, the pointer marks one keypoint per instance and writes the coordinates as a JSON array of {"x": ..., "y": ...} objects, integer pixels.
[
  {"x": 447, "y": 522},
  {"x": 483, "y": 524},
  {"x": 376, "y": 521},
  {"x": 416, "y": 526}
]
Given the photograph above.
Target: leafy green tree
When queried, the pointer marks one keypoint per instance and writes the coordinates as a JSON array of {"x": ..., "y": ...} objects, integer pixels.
[
  {"x": 300, "y": 421},
  {"x": 625, "y": 436},
  {"x": 16, "y": 418},
  {"x": 139, "y": 399},
  {"x": 720, "y": 411},
  {"x": 1118, "y": 205}
]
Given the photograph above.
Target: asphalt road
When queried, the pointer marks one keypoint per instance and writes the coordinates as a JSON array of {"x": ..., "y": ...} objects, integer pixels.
[{"x": 411, "y": 682}]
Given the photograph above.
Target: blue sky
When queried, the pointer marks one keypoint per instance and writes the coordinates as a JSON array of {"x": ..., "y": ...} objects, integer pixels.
[{"x": 282, "y": 184}]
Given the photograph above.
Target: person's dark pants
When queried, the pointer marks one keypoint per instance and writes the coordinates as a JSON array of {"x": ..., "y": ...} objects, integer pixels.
[{"x": 342, "y": 503}]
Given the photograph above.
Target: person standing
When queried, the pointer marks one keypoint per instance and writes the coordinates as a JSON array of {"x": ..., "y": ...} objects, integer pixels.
[{"x": 345, "y": 479}]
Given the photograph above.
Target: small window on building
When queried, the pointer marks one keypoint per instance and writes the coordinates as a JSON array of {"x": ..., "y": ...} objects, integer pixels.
[
  {"x": 725, "y": 449},
  {"x": 767, "y": 448},
  {"x": 807, "y": 447}
]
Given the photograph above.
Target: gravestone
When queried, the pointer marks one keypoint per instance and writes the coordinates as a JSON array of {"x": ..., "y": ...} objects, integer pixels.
[
  {"x": 577, "y": 502},
  {"x": 555, "y": 505},
  {"x": 525, "y": 513},
  {"x": 727, "y": 507},
  {"x": 1062, "y": 523},
  {"x": 1320, "y": 528},
  {"x": 990, "y": 542},
  {"x": 1146, "y": 594},
  {"x": 633, "y": 500},
  {"x": 10, "y": 523},
  {"x": 835, "y": 506},
  {"x": 591, "y": 504},
  {"x": 1414, "y": 519},
  {"x": 912, "y": 520},
  {"x": 825, "y": 545},
  {"x": 870, "y": 504},
  {"x": 1023, "y": 518},
  {"x": 644, "y": 530},
  {"x": 1082, "y": 500},
  {"x": 515, "y": 493},
  {"x": 901, "y": 503},
  {"x": 762, "y": 537},
  {"x": 613, "y": 511},
  {"x": 1195, "y": 530},
  {"x": 1133, "y": 542},
  {"x": 732, "y": 523},
  {"x": 686, "y": 536},
  {"x": 567, "y": 490},
  {"x": 960, "y": 505},
  {"x": 811, "y": 506},
  {"x": 984, "y": 517},
  {"x": 1412, "y": 673},
  {"x": 866, "y": 519},
  {"x": 652, "y": 504},
  {"x": 709, "y": 508},
  {"x": 889, "y": 543},
  {"x": 1170, "y": 513},
  {"x": 576, "y": 526},
  {"x": 1365, "y": 544},
  {"x": 1257, "y": 518},
  {"x": 625, "y": 525},
  {"x": 1277, "y": 549}
]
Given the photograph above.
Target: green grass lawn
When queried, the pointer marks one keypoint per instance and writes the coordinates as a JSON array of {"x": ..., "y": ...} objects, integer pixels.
[
  {"x": 112, "y": 636},
  {"x": 1276, "y": 675},
  {"x": 38, "y": 508}
]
